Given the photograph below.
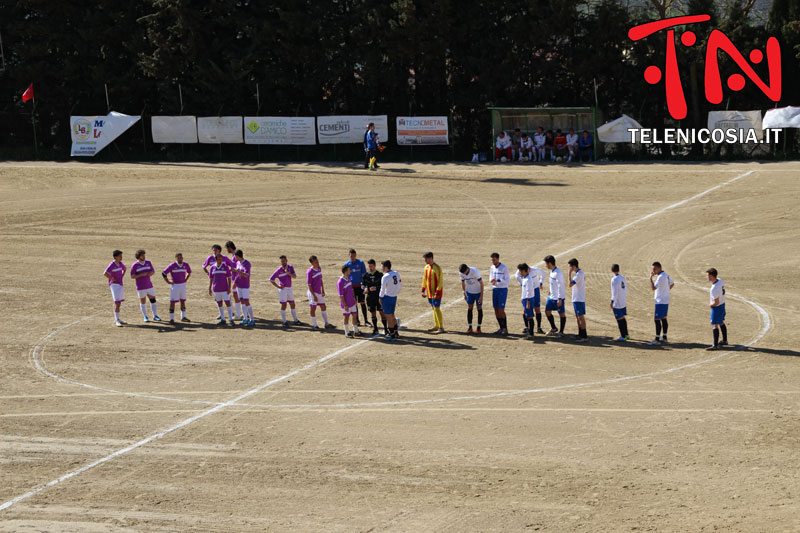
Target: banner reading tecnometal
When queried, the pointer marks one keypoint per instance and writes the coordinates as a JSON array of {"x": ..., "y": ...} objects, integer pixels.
[
  {"x": 92, "y": 134},
  {"x": 279, "y": 130},
  {"x": 422, "y": 130},
  {"x": 349, "y": 129}
]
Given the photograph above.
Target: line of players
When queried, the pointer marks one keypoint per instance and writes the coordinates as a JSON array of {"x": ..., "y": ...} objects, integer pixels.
[{"x": 362, "y": 284}]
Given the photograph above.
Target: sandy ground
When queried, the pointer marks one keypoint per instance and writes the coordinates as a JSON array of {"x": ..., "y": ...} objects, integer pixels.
[{"x": 433, "y": 433}]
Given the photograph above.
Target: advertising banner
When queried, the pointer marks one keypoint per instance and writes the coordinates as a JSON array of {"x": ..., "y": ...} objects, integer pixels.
[
  {"x": 782, "y": 117},
  {"x": 279, "y": 130},
  {"x": 422, "y": 130},
  {"x": 616, "y": 131},
  {"x": 179, "y": 129},
  {"x": 737, "y": 120},
  {"x": 219, "y": 130},
  {"x": 350, "y": 129},
  {"x": 92, "y": 134}
]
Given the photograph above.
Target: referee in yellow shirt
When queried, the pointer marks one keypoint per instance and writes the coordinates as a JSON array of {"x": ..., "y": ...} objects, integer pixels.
[{"x": 432, "y": 290}]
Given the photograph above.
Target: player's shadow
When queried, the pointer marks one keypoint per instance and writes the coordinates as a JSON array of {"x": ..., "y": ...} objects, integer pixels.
[
  {"x": 435, "y": 342},
  {"x": 524, "y": 182},
  {"x": 771, "y": 351}
]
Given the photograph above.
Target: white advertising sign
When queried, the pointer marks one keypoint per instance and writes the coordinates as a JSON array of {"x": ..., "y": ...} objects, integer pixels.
[
  {"x": 350, "y": 129},
  {"x": 179, "y": 129},
  {"x": 92, "y": 134},
  {"x": 219, "y": 130},
  {"x": 279, "y": 130},
  {"x": 422, "y": 130},
  {"x": 737, "y": 120}
]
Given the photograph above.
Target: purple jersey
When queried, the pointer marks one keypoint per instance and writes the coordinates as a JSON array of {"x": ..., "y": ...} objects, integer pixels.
[
  {"x": 285, "y": 278},
  {"x": 116, "y": 271},
  {"x": 140, "y": 268},
  {"x": 209, "y": 261},
  {"x": 219, "y": 276},
  {"x": 231, "y": 262},
  {"x": 179, "y": 271},
  {"x": 345, "y": 288},
  {"x": 314, "y": 278},
  {"x": 243, "y": 266}
]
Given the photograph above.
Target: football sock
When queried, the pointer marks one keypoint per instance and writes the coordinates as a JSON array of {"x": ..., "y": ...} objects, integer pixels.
[
  {"x": 116, "y": 316},
  {"x": 314, "y": 321},
  {"x": 355, "y": 328},
  {"x": 294, "y": 313},
  {"x": 221, "y": 313},
  {"x": 183, "y": 313},
  {"x": 552, "y": 321},
  {"x": 623, "y": 327},
  {"x": 539, "y": 321},
  {"x": 563, "y": 323},
  {"x": 716, "y": 336},
  {"x": 364, "y": 312},
  {"x": 325, "y": 317},
  {"x": 144, "y": 309},
  {"x": 658, "y": 328},
  {"x": 230, "y": 313},
  {"x": 283, "y": 315},
  {"x": 172, "y": 315},
  {"x": 346, "y": 331},
  {"x": 666, "y": 325},
  {"x": 480, "y": 317},
  {"x": 153, "y": 307},
  {"x": 238, "y": 309},
  {"x": 437, "y": 314},
  {"x": 469, "y": 317},
  {"x": 724, "y": 330},
  {"x": 385, "y": 327}
]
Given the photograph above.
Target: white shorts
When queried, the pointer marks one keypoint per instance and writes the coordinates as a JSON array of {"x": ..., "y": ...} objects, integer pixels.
[
  {"x": 151, "y": 292},
  {"x": 311, "y": 302},
  {"x": 222, "y": 297},
  {"x": 352, "y": 311},
  {"x": 244, "y": 294},
  {"x": 286, "y": 294},
  {"x": 117, "y": 292},
  {"x": 177, "y": 292}
]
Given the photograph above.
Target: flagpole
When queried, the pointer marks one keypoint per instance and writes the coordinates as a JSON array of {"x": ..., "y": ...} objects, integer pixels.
[{"x": 33, "y": 123}]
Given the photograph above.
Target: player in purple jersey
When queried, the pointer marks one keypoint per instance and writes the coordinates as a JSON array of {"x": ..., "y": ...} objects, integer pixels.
[
  {"x": 234, "y": 277},
  {"x": 243, "y": 288},
  {"x": 115, "y": 271},
  {"x": 219, "y": 286},
  {"x": 282, "y": 280},
  {"x": 347, "y": 301},
  {"x": 316, "y": 293},
  {"x": 180, "y": 272},
  {"x": 215, "y": 250},
  {"x": 142, "y": 270}
]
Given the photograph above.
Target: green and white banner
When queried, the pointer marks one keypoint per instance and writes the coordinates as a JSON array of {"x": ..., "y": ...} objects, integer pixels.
[{"x": 279, "y": 130}]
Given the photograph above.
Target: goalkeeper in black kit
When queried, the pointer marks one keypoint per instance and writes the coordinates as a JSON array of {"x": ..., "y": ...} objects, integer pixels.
[{"x": 371, "y": 283}]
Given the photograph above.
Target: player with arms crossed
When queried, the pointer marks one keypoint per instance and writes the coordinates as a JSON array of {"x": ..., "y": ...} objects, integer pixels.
[
  {"x": 347, "y": 301},
  {"x": 372, "y": 286},
  {"x": 316, "y": 294},
  {"x": 717, "y": 305},
  {"x": 555, "y": 300},
  {"x": 115, "y": 272},
  {"x": 219, "y": 286},
  {"x": 357, "y": 271},
  {"x": 282, "y": 280},
  {"x": 661, "y": 284},
  {"x": 432, "y": 289},
  {"x": 390, "y": 288},
  {"x": 180, "y": 272},
  {"x": 619, "y": 302},
  {"x": 578, "y": 283},
  {"x": 242, "y": 289},
  {"x": 142, "y": 270},
  {"x": 472, "y": 286},
  {"x": 498, "y": 277}
]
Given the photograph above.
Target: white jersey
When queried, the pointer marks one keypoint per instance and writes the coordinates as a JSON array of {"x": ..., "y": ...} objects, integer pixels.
[
  {"x": 537, "y": 274},
  {"x": 472, "y": 280},
  {"x": 662, "y": 283},
  {"x": 503, "y": 142},
  {"x": 557, "y": 290},
  {"x": 578, "y": 283},
  {"x": 390, "y": 284},
  {"x": 572, "y": 139},
  {"x": 717, "y": 291},
  {"x": 528, "y": 286},
  {"x": 538, "y": 139},
  {"x": 526, "y": 142},
  {"x": 619, "y": 292},
  {"x": 500, "y": 274}
]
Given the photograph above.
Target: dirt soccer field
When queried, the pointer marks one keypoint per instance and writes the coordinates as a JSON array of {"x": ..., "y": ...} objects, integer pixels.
[{"x": 152, "y": 427}]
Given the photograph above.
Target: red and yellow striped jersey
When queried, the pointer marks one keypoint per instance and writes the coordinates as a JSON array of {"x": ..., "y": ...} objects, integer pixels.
[{"x": 432, "y": 281}]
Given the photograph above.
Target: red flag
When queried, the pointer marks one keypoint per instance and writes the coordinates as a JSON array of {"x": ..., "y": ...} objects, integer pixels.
[{"x": 28, "y": 94}]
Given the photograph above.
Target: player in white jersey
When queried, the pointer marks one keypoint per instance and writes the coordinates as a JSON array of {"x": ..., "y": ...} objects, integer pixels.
[
  {"x": 555, "y": 300},
  {"x": 577, "y": 280},
  {"x": 498, "y": 277},
  {"x": 390, "y": 288},
  {"x": 472, "y": 286},
  {"x": 661, "y": 284},
  {"x": 537, "y": 277},
  {"x": 572, "y": 144},
  {"x": 538, "y": 142},
  {"x": 525, "y": 148},
  {"x": 717, "y": 305},
  {"x": 529, "y": 288},
  {"x": 619, "y": 302}
]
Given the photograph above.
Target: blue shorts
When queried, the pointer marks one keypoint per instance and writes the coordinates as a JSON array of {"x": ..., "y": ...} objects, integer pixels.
[
  {"x": 718, "y": 314},
  {"x": 537, "y": 298},
  {"x": 620, "y": 313},
  {"x": 579, "y": 307},
  {"x": 499, "y": 297},
  {"x": 388, "y": 303},
  {"x": 473, "y": 298},
  {"x": 661, "y": 311},
  {"x": 435, "y": 302},
  {"x": 528, "y": 313},
  {"x": 552, "y": 305}
]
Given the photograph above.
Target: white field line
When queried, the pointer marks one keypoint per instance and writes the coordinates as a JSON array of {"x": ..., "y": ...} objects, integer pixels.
[{"x": 336, "y": 353}]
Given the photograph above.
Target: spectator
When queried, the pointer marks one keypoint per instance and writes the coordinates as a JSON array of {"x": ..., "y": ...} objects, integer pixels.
[
  {"x": 502, "y": 147},
  {"x": 548, "y": 144},
  {"x": 538, "y": 142},
  {"x": 516, "y": 141},
  {"x": 572, "y": 144},
  {"x": 526, "y": 147},
  {"x": 586, "y": 145},
  {"x": 560, "y": 144}
]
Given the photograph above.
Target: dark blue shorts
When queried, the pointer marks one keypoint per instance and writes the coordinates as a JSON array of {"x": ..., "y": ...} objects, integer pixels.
[
  {"x": 620, "y": 313},
  {"x": 537, "y": 299},
  {"x": 579, "y": 308},
  {"x": 552, "y": 305},
  {"x": 499, "y": 297},
  {"x": 473, "y": 298},
  {"x": 388, "y": 303},
  {"x": 528, "y": 313},
  {"x": 718, "y": 314},
  {"x": 435, "y": 302},
  {"x": 661, "y": 311}
]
